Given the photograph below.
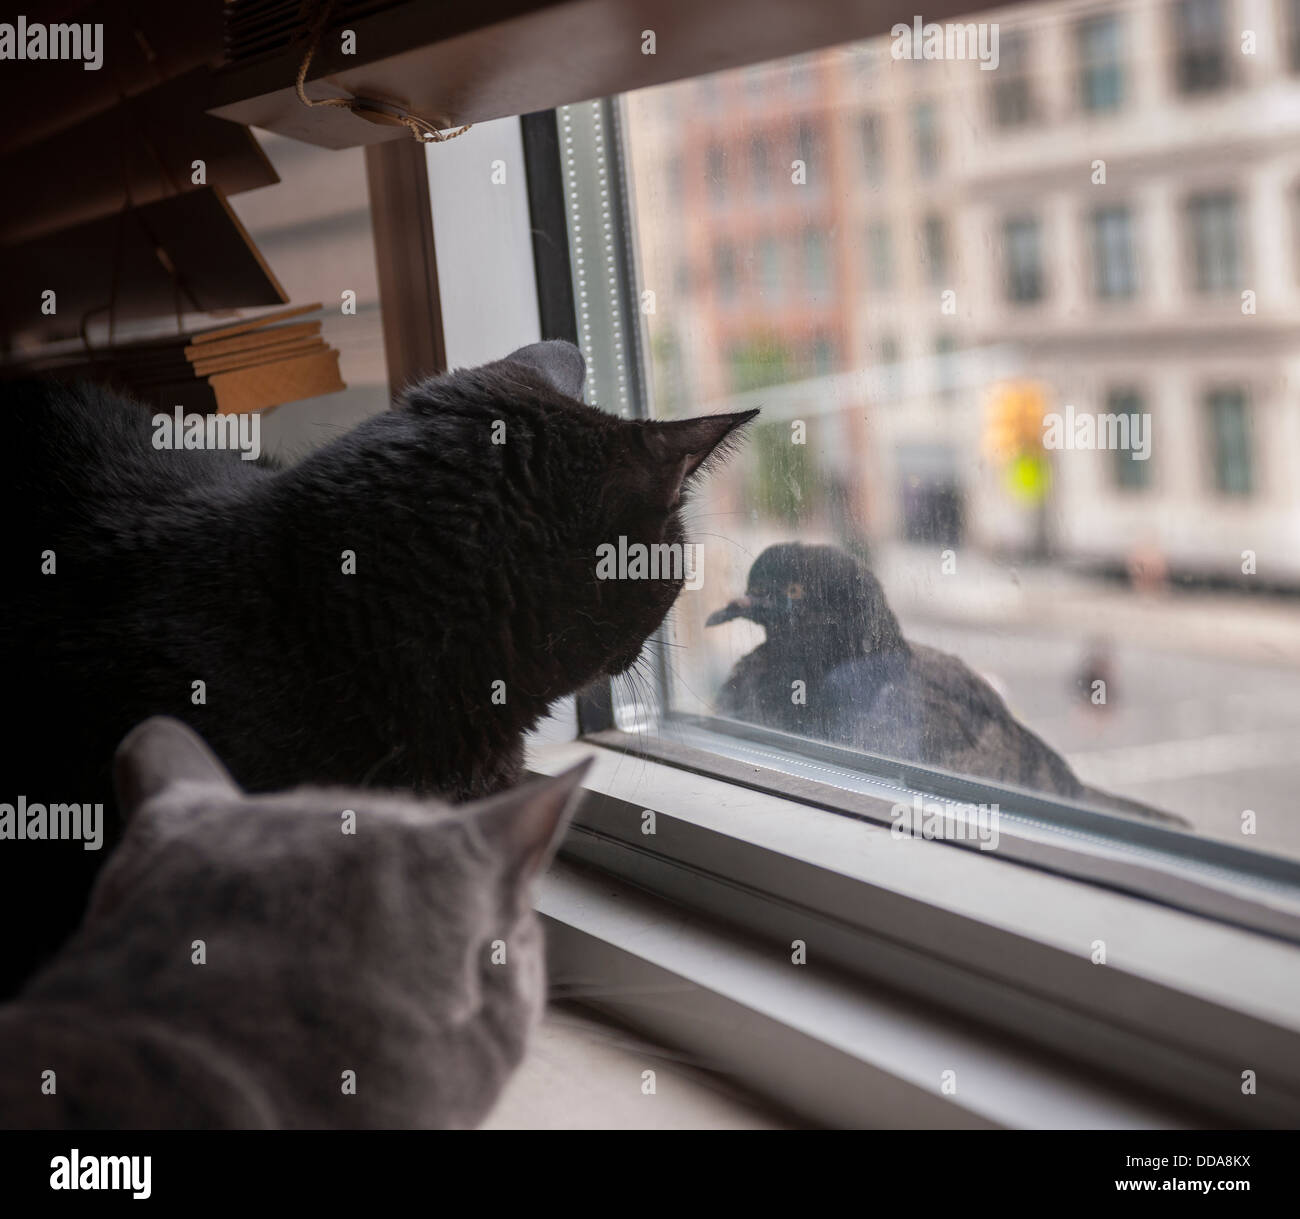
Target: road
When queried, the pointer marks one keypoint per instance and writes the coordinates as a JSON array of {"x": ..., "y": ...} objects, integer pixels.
[{"x": 1208, "y": 737}]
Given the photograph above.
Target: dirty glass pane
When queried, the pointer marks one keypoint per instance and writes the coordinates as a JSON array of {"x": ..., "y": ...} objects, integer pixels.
[{"x": 1023, "y": 501}]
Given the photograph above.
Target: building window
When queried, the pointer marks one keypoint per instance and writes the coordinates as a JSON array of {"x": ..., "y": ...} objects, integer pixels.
[
  {"x": 1216, "y": 254},
  {"x": 823, "y": 356},
  {"x": 1114, "y": 268},
  {"x": 881, "y": 253},
  {"x": 936, "y": 250},
  {"x": 1101, "y": 70},
  {"x": 816, "y": 269},
  {"x": 716, "y": 172},
  {"x": 1013, "y": 95},
  {"x": 769, "y": 269},
  {"x": 1230, "y": 447},
  {"x": 873, "y": 149},
  {"x": 1024, "y": 261},
  {"x": 925, "y": 138},
  {"x": 724, "y": 272},
  {"x": 890, "y": 373},
  {"x": 1200, "y": 46},
  {"x": 808, "y": 146},
  {"x": 945, "y": 366},
  {"x": 1128, "y": 472},
  {"x": 760, "y": 165}
]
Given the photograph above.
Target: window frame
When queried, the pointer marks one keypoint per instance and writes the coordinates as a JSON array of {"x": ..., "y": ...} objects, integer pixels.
[
  {"x": 1088, "y": 68},
  {"x": 771, "y": 869},
  {"x": 1150, "y": 1024}
]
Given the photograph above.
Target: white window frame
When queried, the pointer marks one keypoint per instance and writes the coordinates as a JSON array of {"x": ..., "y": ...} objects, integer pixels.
[{"x": 922, "y": 957}]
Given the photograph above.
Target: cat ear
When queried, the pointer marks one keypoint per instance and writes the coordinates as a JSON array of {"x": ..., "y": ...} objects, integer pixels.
[
  {"x": 158, "y": 753},
  {"x": 524, "y": 825},
  {"x": 559, "y": 362},
  {"x": 682, "y": 446}
]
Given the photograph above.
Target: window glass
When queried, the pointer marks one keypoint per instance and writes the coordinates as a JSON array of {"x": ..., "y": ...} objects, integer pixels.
[
  {"x": 1022, "y": 248},
  {"x": 1114, "y": 264},
  {"x": 1212, "y": 219},
  {"x": 1201, "y": 45},
  {"x": 1131, "y": 471},
  {"x": 1013, "y": 98},
  {"x": 881, "y": 250},
  {"x": 1022, "y": 500},
  {"x": 936, "y": 249},
  {"x": 925, "y": 138},
  {"x": 1230, "y": 442},
  {"x": 873, "y": 150},
  {"x": 1101, "y": 69}
]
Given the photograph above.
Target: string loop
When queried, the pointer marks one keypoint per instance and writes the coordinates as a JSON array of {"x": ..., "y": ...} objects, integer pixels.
[{"x": 421, "y": 129}]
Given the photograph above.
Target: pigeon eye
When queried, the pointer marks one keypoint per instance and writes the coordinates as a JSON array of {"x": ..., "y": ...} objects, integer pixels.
[{"x": 794, "y": 591}]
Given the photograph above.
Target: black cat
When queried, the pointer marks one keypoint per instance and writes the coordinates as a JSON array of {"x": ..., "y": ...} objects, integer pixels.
[{"x": 396, "y": 610}]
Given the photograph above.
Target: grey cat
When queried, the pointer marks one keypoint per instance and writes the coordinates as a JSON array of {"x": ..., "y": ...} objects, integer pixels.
[{"x": 367, "y": 960}]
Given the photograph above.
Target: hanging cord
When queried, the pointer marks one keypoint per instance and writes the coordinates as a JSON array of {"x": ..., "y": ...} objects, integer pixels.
[
  {"x": 180, "y": 291},
  {"x": 420, "y": 129}
]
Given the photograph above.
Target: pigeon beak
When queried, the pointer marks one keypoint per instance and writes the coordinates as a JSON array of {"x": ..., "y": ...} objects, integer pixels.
[{"x": 739, "y": 608}]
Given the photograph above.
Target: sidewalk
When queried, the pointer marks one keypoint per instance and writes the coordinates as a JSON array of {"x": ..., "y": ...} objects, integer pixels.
[{"x": 1263, "y": 630}]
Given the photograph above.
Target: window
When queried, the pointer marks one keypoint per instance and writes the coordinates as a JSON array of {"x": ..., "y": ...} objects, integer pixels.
[
  {"x": 945, "y": 367},
  {"x": 1024, "y": 267},
  {"x": 891, "y": 381},
  {"x": 925, "y": 138},
  {"x": 1132, "y": 465},
  {"x": 823, "y": 356},
  {"x": 1101, "y": 67},
  {"x": 770, "y": 277},
  {"x": 1201, "y": 45},
  {"x": 1230, "y": 445},
  {"x": 1212, "y": 220},
  {"x": 760, "y": 165},
  {"x": 716, "y": 171},
  {"x": 990, "y": 486},
  {"x": 816, "y": 270},
  {"x": 936, "y": 250},
  {"x": 808, "y": 149},
  {"x": 724, "y": 271},
  {"x": 1013, "y": 96},
  {"x": 1000, "y": 456},
  {"x": 1113, "y": 267},
  {"x": 881, "y": 251},
  {"x": 873, "y": 149}
]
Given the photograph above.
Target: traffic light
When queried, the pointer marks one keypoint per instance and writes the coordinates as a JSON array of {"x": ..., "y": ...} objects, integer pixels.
[
  {"x": 1014, "y": 419},
  {"x": 1013, "y": 437}
]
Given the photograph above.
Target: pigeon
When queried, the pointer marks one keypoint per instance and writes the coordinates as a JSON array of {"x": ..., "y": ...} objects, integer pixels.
[{"x": 836, "y": 667}]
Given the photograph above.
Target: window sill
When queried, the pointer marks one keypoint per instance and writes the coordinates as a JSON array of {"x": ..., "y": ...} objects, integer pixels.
[{"x": 922, "y": 959}]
